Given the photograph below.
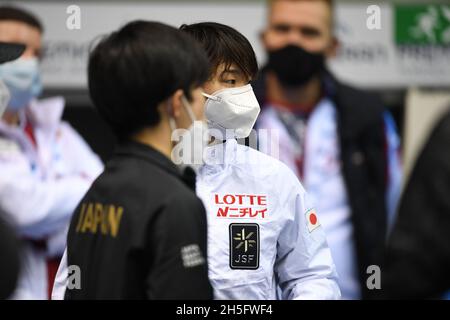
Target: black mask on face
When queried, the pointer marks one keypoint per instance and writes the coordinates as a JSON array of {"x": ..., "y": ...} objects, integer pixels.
[{"x": 295, "y": 66}]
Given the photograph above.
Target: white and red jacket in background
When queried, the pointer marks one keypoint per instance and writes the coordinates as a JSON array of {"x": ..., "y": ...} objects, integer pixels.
[{"x": 45, "y": 169}]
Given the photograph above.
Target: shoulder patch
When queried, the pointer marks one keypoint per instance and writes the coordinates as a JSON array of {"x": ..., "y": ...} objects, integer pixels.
[{"x": 312, "y": 220}]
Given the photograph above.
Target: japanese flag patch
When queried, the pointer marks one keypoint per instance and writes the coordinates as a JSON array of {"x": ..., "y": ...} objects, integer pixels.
[{"x": 312, "y": 220}]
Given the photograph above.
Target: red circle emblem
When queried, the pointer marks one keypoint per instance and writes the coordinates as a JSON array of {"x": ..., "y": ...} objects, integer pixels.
[{"x": 313, "y": 218}]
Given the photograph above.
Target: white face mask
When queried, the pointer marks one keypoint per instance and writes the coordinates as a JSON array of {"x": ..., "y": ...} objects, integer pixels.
[
  {"x": 232, "y": 112},
  {"x": 191, "y": 142},
  {"x": 4, "y": 97}
]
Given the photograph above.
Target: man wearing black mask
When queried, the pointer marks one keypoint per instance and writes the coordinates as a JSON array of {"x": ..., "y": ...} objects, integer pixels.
[{"x": 340, "y": 141}]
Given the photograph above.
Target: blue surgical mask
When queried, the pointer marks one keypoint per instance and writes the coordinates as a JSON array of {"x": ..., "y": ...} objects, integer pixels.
[{"x": 22, "y": 78}]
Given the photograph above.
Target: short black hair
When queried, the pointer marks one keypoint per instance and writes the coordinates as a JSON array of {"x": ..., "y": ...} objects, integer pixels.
[
  {"x": 132, "y": 70},
  {"x": 20, "y": 15},
  {"x": 223, "y": 44}
]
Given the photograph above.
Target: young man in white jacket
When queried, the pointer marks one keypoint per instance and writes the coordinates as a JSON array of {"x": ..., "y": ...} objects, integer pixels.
[{"x": 264, "y": 239}]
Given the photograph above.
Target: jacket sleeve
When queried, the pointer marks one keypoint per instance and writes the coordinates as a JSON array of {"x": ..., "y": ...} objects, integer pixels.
[
  {"x": 178, "y": 246},
  {"x": 304, "y": 265},
  {"x": 61, "y": 278},
  {"x": 38, "y": 207}
]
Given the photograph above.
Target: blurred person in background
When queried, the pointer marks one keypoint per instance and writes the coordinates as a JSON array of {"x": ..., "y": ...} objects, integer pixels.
[
  {"x": 45, "y": 166},
  {"x": 9, "y": 243},
  {"x": 341, "y": 142},
  {"x": 418, "y": 255}
]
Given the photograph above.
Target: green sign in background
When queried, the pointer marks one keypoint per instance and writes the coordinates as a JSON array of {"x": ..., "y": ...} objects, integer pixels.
[{"x": 422, "y": 24}]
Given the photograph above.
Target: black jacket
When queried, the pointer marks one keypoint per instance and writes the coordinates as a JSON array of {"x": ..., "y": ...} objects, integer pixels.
[
  {"x": 140, "y": 232},
  {"x": 10, "y": 263},
  {"x": 364, "y": 163},
  {"x": 418, "y": 256}
]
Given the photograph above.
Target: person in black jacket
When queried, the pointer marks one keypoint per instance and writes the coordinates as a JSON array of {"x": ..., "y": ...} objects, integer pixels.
[
  {"x": 340, "y": 141},
  {"x": 140, "y": 231},
  {"x": 418, "y": 255},
  {"x": 10, "y": 266}
]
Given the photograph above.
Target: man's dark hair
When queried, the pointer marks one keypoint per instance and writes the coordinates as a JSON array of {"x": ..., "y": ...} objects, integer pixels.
[
  {"x": 20, "y": 15},
  {"x": 132, "y": 70},
  {"x": 224, "y": 44}
]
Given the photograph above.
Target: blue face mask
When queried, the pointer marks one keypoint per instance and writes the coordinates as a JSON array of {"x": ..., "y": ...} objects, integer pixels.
[{"x": 23, "y": 81}]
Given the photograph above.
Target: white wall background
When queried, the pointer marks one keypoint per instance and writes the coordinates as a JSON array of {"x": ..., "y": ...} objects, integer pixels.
[{"x": 370, "y": 58}]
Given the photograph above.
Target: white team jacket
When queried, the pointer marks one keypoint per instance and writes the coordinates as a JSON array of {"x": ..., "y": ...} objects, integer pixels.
[
  {"x": 40, "y": 187},
  {"x": 262, "y": 231},
  {"x": 264, "y": 239}
]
